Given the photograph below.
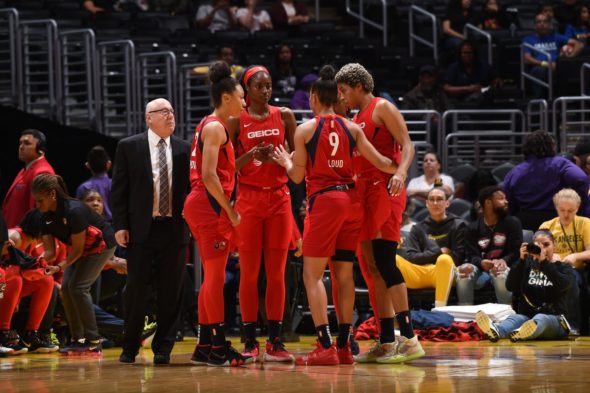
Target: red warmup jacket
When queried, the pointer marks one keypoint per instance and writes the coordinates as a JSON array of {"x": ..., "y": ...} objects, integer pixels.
[{"x": 18, "y": 200}]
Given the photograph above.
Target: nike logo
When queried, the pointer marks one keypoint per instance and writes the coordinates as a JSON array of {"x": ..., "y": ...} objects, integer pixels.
[
  {"x": 247, "y": 125},
  {"x": 377, "y": 182},
  {"x": 48, "y": 222}
]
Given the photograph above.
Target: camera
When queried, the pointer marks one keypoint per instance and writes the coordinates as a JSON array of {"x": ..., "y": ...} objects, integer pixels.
[{"x": 532, "y": 248}]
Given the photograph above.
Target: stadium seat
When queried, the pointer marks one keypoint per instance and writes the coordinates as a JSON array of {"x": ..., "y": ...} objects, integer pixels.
[
  {"x": 501, "y": 170},
  {"x": 460, "y": 207},
  {"x": 463, "y": 172}
]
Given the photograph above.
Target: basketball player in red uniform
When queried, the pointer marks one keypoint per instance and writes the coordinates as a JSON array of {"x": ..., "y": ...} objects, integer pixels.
[
  {"x": 385, "y": 128},
  {"x": 264, "y": 204},
  {"x": 323, "y": 153},
  {"x": 210, "y": 215}
]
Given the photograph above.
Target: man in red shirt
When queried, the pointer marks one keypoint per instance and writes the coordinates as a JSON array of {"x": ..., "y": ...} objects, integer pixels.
[{"x": 32, "y": 146}]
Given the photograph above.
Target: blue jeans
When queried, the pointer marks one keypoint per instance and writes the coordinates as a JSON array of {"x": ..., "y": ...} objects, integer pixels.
[
  {"x": 466, "y": 287},
  {"x": 542, "y": 73},
  {"x": 548, "y": 326}
]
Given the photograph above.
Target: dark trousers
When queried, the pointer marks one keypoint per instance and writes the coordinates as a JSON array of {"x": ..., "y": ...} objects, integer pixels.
[{"x": 159, "y": 264}]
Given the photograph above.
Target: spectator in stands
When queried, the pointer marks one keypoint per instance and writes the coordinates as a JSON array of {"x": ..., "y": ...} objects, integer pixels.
[
  {"x": 284, "y": 75},
  {"x": 427, "y": 94},
  {"x": 99, "y": 163},
  {"x": 546, "y": 40},
  {"x": 530, "y": 185},
  {"x": 285, "y": 13},
  {"x": 253, "y": 18},
  {"x": 32, "y": 146},
  {"x": 172, "y": 7},
  {"x": 217, "y": 16},
  {"x": 580, "y": 28},
  {"x": 468, "y": 79},
  {"x": 226, "y": 54},
  {"x": 300, "y": 99},
  {"x": 567, "y": 12},
  {"x": 433, "y": 248},
  {"x": 407, "y": 221},
  {"x": 543, "y": 283},
  {"x": 491, "y": 247},
  {"x": 492, "y": 16},
  {"x": 581, "y": 155},
  {"x": 459, "y": 13},
  {"x": 420, "y": 186},
  {"x": 97, "y": 6}
]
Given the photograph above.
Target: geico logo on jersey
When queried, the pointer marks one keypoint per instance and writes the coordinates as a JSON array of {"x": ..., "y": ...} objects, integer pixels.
[{"x": 262, "y": 133}]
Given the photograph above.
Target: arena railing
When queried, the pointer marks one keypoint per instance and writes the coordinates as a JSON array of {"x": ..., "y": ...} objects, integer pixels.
[
  {"x": 541, "y": 113},
  {"x": 583, "y": 70},
  {"x": 479, "y": 32},
  {"x": 479, "y": 122},
  {"x": 193, "y": 92},
  {"x": 571, "y": 120},
  {"x": 10, "y": 60},
  {"x": 414, "y": 37},
  {"x": 156, "y": 77},
  {"x": 525, "y": 75},
  {"x": 118, "y": 113},
  {"x": 484, "y": 150},
  {"x": 41, "y": 94},
  {"x": 362, "y": 20},
  {"x": 78, "y": 82}
]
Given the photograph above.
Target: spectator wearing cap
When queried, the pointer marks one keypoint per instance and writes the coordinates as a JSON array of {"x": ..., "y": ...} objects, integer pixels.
[
  {"x": 300, "y": 99},
  {"x": 427, "y": 94},
  {"x": 32, "y": 146},
  {"x": 582, "y": 155}
]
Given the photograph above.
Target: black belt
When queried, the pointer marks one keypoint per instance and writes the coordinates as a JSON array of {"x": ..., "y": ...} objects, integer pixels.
[
  {"x": 161, "y": 218},
  {"x": 338, "y": 187}
]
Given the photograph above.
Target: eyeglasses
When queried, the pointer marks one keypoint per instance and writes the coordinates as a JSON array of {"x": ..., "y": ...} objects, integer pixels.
[
  {"x": 164, "y": 112},
  {"x": 436, "y": 200}
]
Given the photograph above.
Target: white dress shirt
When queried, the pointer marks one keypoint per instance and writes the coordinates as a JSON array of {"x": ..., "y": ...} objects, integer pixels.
[{"x": 153, "y": 140}]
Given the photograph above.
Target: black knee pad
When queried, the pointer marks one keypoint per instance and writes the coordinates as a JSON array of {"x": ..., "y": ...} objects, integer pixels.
[
  {"x": 344, "y": 256},
  {"x": 384, "y": 252}
]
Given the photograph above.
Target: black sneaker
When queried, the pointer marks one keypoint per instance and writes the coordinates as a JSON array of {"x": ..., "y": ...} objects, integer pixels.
[
  {"x": 354, "y": 346},
  {"x": 10, "y": 340},
  {"x": 226, "y": 356},
  {"x": 201, "y": 355},
  {"x": 74, "y": 347},
  {"x": 36, "y": 344}
]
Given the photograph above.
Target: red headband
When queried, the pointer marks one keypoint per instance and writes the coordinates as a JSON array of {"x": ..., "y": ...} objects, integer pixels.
[{"x": 248, "y": 74}]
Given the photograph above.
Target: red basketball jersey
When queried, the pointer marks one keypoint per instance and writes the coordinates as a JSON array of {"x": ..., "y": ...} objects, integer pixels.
[
  {"x": 329, "y": 151},
  {"x": 379, "y": 136},
  {"x": 226, "y": 162},
  {"x": 252, "y": 132}
]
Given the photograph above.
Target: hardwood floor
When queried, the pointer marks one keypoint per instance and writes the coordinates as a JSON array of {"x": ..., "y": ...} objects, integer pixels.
[{"x": 550, "y": 366}]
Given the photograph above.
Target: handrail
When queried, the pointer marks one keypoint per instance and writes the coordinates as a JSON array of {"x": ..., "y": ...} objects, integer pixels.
[
  {"x": 564, "y": 129},
  {"x": 583, "y": 68},
  {"x": 414, "y": 37},
  {"x": 525, "y": 75},
  {"x": 15, "y": 51},
  {"x": 543, "y": 114},
  {"x": 469, "y": 27},
  {"x": 317, "y": 10},
  {"x": 362, "y": 20}
]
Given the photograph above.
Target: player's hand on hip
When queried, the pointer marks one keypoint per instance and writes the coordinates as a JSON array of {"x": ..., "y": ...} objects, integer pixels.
[{"x": 396, "y": 185}]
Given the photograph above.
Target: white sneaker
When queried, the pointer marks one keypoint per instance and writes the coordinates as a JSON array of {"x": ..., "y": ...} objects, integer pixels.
[
  {"x": 407, "y": 349},
  {"x": 376, "y": 351},
  {"x": 6, "y": 351}
]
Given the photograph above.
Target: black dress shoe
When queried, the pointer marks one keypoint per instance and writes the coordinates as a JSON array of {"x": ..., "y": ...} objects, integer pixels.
[
  {"x": 161, "y": 359},
  {"x": 127, "y": 358}
]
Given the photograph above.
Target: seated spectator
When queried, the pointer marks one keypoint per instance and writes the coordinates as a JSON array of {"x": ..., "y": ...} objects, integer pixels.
[
  {"x": 580, "y": 28},
  {"x": 572, "y": 243},
  {"x": 171, "y": 7},
  {"x": 468, "y": 78},
  {"x": 284, "y": 75},
  {"x": 217, "y": 16},
  {"x": 427, "y": 94},
  {"x": 492, "y": 17},
  {"x": 420, "y": 186},
  {"x": 407, "y": 221},
  {"x": 97, "y": 6},
  {"x": 581, "y": 155},
  {"x": 491, "y": 247},
  {"x": 98, "y": 163},
  {"x": 253, "y": 18},
  {"x": 566, "y": 13},
  {"x": 300, "y": 99},
  {"x": 543, "y": 282},
  {"x": 433, "y": 248},
  {"x": 226, "y": 54},
  {"x": 555, "y": 44},
  {"x": 530, "y": 185},
  {"x": 459, "y": 13},
  {"x": 285, "y": 13}
]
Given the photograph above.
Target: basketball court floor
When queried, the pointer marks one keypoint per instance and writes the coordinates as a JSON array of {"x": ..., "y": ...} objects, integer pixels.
[{"x": 540, "y": 367}]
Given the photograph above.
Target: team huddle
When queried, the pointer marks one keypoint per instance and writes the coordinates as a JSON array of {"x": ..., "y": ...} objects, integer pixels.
[{"x": 241, "y": 158}]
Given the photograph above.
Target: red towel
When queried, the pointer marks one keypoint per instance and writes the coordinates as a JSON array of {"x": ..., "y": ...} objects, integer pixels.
[{"x": 457, "y": 332}]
